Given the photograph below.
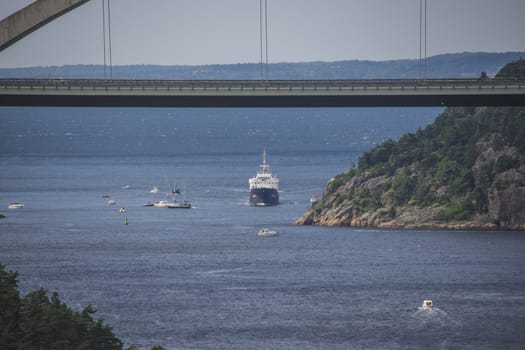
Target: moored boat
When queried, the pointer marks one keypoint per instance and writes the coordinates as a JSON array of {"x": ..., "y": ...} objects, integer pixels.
[
  {"x": 266, "y": 232},
  {"x": 15, "y": 206}
]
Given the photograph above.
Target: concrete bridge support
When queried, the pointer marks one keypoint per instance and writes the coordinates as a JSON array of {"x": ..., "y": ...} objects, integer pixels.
[{"x": 32, "y": 17}]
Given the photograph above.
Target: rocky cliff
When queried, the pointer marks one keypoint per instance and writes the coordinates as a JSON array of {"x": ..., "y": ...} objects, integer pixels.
[{"x": 466, "y": 170}]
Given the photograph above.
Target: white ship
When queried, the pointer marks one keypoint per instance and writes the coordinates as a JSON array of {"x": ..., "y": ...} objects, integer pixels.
[{"x": 264, "y": 188}]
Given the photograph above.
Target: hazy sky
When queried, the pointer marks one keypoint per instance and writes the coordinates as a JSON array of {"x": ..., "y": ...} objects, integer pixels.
[{"x": 227, "y": 31}]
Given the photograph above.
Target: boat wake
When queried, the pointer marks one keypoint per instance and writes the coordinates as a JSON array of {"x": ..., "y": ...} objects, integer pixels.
[
  {"x": 220, "y": 272},
  {"x": 434, "y": 312},
  {"x": 435, "y": 317}
]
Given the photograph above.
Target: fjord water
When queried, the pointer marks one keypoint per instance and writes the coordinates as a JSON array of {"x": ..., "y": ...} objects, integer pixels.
[{"x": 201, "y": 278}]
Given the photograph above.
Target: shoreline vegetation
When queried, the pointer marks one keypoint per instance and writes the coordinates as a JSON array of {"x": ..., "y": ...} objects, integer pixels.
[
  {"x": 464, "y": 171},
  {"x": 37, "y": 321}
]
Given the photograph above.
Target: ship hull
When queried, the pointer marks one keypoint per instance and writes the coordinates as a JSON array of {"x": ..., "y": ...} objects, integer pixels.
[{"x": 264, "y": 197}]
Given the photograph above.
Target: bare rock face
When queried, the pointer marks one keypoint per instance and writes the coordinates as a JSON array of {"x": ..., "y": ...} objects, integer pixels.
[
  {"x": 506, "y": 199},
  {"x": 496, "y": 170},
  {"x": 506, "y": 187}
]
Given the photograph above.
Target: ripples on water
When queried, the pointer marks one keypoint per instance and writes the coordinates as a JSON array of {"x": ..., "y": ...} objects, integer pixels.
[{"x": 202, "y": 279}]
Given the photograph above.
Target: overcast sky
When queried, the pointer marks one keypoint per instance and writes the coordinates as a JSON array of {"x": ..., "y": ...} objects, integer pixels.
[{"x": 192, "y": 32}]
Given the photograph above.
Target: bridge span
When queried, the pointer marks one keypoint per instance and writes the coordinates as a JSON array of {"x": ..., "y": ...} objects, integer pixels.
[{"x": 262, "y": 93}]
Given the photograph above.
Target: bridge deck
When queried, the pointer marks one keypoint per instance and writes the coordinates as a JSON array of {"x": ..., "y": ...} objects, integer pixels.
[{"x": 262, "y": 93}]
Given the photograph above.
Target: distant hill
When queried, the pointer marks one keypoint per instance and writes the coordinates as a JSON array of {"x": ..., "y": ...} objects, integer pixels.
[
  {"x": 458, "y": 65},
  {"x": 465, "y": 170}
]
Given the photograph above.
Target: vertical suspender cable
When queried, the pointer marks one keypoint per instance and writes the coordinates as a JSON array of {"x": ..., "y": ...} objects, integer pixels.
[
  {"x": 266, "y": 33},
  {"x": 104, "y": 34},
  {"x": 420, "y": 39},
  {"x": 425, "y": 39},
  {"x": 261, "y": 37},
  {"x": 109, "y": 33}
]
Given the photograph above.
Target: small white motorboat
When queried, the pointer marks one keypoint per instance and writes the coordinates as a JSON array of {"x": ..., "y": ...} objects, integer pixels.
[
  {"x": 112, "y": 202},
  {"x": 155, "y": 189},
  {"x": 15, "y": 206},
  {"x": 266, "y": 232},
  {"x": 149, "y": 204},
  {"x": 427, "y": 305}
]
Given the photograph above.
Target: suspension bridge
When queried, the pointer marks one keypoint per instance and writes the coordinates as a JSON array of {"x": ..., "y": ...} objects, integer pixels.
[{"x": 239, "y": 93}]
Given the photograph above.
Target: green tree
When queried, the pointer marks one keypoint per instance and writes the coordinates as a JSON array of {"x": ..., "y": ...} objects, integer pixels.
[
  {"x": 514, "y": 69},
  {"x": 403, "y": 186},
  {"x": 37, "y": 322},
  {"x": 9, "y": 309}
]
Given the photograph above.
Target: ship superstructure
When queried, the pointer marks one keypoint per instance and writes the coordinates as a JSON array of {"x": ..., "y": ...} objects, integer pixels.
[{"x": 264, "y": 187}]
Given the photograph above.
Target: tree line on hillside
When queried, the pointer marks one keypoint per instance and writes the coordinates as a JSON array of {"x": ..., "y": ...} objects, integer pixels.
[{"x": 444, "y": 164}]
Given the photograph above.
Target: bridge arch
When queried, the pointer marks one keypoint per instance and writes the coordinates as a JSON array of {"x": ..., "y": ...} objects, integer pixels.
[{"x": 32, "y": 17}]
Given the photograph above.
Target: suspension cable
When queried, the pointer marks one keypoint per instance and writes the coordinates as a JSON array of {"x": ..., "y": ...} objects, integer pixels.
[
  {"x": 426, "y": 39},
  {"x": 266, "y": 33},
  {"x": 261, "y": 38},
  {"x": 423, "y": 39},
  {"x": 104, "y": 35},
  {"x": 420, "y": 39},
  {"x": 109, "y": 33}
]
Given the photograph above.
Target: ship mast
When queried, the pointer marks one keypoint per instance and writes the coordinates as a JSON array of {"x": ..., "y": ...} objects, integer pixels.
[{"x": 264, "y": 166}]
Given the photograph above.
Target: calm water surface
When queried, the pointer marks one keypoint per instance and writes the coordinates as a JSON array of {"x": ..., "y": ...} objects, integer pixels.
[{"x": 202, "y": 279}]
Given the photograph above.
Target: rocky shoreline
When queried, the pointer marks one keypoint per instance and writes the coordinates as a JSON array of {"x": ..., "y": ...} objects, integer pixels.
[
  {"x": 412, "y": 218},
  {"x": 505, "y": 202}
]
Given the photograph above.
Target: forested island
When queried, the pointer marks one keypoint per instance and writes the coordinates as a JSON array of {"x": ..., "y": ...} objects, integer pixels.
[
  {"x": 37, "y": 321},
  {"x": 464, "y": 171}
]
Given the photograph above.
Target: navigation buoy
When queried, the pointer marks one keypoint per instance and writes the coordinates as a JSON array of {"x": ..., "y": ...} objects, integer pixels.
[{"x": 125, "y": 220}]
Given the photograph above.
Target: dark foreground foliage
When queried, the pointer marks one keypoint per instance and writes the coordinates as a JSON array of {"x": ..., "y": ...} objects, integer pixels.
[{"x": 37, "y": 321}]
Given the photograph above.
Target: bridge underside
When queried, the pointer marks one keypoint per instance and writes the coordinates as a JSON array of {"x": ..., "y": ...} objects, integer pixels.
[
  {"x": 261, "y": 101},
  {"x": 253, "y": 93}
]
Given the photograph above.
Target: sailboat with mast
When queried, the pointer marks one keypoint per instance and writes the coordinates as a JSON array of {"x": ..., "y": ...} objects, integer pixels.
[
  {"x": 174, "y": 203},
  {"x": 184, "y": 204}
]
